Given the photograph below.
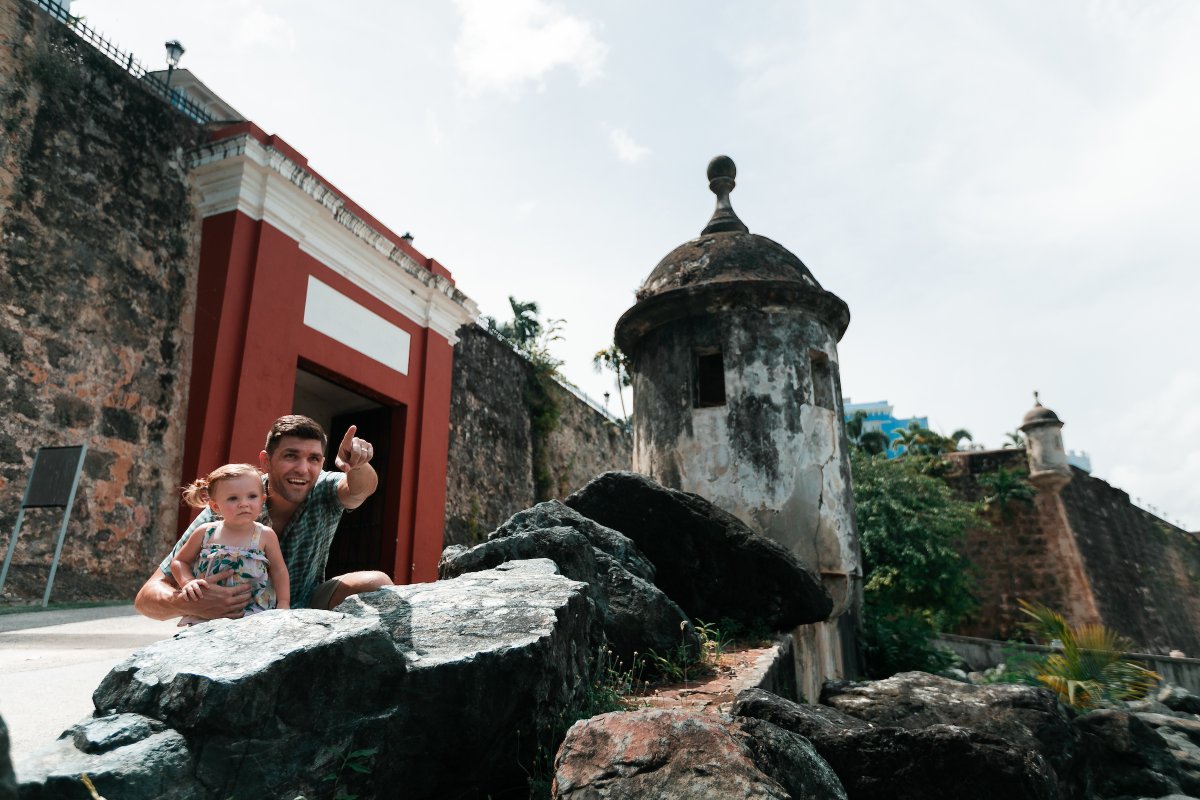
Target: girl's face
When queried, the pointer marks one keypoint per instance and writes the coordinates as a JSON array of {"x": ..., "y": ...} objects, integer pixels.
[{"x": 238, "y": 499}]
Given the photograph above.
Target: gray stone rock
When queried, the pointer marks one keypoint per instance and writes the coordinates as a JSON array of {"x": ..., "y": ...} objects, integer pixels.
[
  {"x": 706, "y": 560},
  {"x": 1123, "y": 757},
  {"x": 1178, "y": 698},
  {"x": 1023, "y": 715},
  {"x": 8, "y": 781},
  {"x": 554, "y": 514},
  {"x": 636, "y": 615},
  {"x": 670, "y": 754},
  {"x": 159, "y": 765},
  {"x": 450, "y": 686},
  {"x": 888, "y": 763}
]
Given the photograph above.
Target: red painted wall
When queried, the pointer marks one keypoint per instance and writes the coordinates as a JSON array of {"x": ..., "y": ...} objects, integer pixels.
[{"x": 249, "y": 340}]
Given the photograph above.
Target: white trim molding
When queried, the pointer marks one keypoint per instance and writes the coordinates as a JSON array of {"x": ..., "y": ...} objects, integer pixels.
[{"x": 242, "y": 174}]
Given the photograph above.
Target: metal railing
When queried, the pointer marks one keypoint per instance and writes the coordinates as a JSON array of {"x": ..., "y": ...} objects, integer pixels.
[{"x": 126, "y": 61}]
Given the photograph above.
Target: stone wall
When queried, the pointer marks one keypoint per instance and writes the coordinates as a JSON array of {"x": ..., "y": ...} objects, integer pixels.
[
  {"x": 493, "y": 471},
  {"x": 98, "y": 252},
  {"x": 1087, "y": 552}
]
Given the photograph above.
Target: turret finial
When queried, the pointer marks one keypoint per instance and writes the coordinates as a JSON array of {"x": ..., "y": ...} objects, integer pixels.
[
  {"x": 721, "y": 174},
  {"x": 1036, "y": 401}
]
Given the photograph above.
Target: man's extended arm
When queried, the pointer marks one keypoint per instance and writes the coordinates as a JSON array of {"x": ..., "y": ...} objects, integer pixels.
[{"x": 360, "y": 480}]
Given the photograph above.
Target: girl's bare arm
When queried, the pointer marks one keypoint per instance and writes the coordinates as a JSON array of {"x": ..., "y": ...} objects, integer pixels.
[
  {"x": 181, "y": 566},
  {"x": 277, "y": 569}
]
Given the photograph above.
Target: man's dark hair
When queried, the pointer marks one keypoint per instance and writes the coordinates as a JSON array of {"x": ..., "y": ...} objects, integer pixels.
[{"x": 297, "y": 425}]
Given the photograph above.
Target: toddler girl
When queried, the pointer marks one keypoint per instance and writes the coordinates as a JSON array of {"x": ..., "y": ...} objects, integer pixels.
[{"x": 236, "y": 541}]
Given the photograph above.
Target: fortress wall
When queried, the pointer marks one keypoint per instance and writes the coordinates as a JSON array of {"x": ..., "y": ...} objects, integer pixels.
[{"x": 98, "y": 257}]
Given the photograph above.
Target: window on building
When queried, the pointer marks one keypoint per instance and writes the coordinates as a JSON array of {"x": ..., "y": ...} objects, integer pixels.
[
  {"x": 822, "y": 379},
  {"x": 709, "y": 380}
]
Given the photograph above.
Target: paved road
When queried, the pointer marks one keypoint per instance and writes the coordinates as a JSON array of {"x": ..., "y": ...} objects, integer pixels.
[{"x": 51, "y": 661}]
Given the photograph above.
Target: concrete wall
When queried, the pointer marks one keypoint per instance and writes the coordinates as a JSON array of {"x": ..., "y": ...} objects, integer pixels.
[
  {"x": 981, "y": 654},
  {"x": 492, "y": 469},
  {"x": 98, "y": 253}
]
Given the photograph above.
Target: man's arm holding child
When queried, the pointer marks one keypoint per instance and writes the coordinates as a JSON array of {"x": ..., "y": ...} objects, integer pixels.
[
  {"x": 160, "y": 596},
  {"x": 276, "y": 569}
]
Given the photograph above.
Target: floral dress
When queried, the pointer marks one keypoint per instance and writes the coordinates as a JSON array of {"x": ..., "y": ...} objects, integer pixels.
[{"x": 249, "y": 565}]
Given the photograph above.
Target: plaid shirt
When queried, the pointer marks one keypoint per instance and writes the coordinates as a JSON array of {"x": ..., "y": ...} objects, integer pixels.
[{"x": 305, "y": 542}]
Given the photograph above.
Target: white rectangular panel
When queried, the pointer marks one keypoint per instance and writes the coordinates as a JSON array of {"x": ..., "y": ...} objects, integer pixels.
[{"x": 332, "y": 313}]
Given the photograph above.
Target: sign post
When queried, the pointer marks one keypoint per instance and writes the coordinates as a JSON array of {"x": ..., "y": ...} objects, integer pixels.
[{"x": 52, "y": 484}]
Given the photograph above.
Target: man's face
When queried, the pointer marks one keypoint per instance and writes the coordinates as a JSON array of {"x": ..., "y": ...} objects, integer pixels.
[{"x": 293, "y": 468}]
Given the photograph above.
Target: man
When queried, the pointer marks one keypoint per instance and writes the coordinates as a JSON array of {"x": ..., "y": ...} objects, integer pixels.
[{"x": 304, "y": 505}]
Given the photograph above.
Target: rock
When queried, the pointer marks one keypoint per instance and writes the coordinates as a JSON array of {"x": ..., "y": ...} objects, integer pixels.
[
  {"x": 1023, "y": 715},
  {"x": 1178, "y": 698},
  {"x": 668, "y": 754},
  {"x": 449, "y": 686},
  {"x": 635, "y": 614},
  {"x": 887, "y": 763},
  {"x": 706, "y": 560},
  {"x": 127, "y": 756},
  {"x": 8, "y": 781},
  {"x": 554, "y": 514},
  {"x": 1123, "y": 756}
]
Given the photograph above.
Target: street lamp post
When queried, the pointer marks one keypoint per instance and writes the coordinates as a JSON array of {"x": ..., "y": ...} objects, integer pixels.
[{"x": 174, "y": 53}]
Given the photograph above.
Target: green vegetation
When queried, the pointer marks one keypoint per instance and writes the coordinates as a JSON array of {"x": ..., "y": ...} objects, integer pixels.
[
  {"x": 1006, "y": 490},
  {"x": 344, "y": 767},
  {"x": 684, "y": 663},
  {"x": 531, "y": 336},
  {"x": 917, "y": 441},
  {"x": 1090, "y": 669},
  {"x": 612, "y": 359},
  {"x": 916, "y": 583}
]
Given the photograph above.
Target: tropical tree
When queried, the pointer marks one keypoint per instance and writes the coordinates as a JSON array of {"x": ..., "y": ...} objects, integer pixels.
[
  {"x": 611, "y": 358},
  {"x": 918, "y": 440},
  {"x": 871, "y": 442},
  {"x": 1091, "y": 667},
  {"x": 1015, "y": 439},
  {"x": 916, "y": 582},
  {"x": 1006, "y": 490},
  {"x": 529, "y": 334}
]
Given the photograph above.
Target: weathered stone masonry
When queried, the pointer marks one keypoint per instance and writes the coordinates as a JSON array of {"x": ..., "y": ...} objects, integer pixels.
[
  {"x": 98, "y": 252},
  {"x": 491, "y": 471}
]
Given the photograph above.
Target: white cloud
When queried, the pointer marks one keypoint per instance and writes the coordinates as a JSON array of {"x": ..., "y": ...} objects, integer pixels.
[
  {"x": 626, "y": 147},
  {"x": 504, "y": 45},
  {"x": 259, "y": 27}
]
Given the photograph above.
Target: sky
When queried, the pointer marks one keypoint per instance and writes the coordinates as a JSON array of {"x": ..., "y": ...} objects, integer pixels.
[{"x": 1006, "y": 195}]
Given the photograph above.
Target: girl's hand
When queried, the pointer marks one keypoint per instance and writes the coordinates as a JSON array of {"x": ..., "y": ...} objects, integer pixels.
[{"x": 194, "y": 590}]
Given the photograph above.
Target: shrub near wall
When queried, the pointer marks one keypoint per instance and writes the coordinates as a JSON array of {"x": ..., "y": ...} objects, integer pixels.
[
  {"x": 98, "y": 250},
  {"x": 497, "y": 464}
]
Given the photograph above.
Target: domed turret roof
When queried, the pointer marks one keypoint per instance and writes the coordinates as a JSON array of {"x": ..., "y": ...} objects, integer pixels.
[
  {"x": 1039, "y": 415},
  {"x": 727, "y": 264},
  {"x": 725, "y": 250}
]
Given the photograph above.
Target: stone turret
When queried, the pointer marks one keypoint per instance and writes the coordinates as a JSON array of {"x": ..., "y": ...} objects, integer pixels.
[
  {"x": 1048, "y": 467},
  {"x": 736, "y": 391}
]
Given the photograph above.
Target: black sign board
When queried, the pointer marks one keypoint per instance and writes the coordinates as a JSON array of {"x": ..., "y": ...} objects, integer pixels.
[{"x": 55, "y": 470}]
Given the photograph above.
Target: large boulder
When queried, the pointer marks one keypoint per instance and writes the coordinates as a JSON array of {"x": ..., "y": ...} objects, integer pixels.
[
  {"x": 1182, "y": 735},
  {"x": 1024, "y": 715},
  {"x": 706, "y": 560},
  {"x": 635, "y": 614},
  {"x": 442, "y": 690},
  {"x": 1123, "y": 757},
  {"x": 8, "y": 781},
  {"x": 554, "y": 514},
  {"x": 669, "y": 754},
  {"x": 876, "y": 762}
]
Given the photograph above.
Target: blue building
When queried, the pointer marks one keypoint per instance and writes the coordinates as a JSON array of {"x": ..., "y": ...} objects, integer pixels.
[{"x": 880, "y": 418}]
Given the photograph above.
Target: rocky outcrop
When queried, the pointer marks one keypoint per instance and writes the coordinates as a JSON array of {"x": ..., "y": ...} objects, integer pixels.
[
  {"x": 706, "y": 560},
  {"x": 1023, "y": 715},
  {"x": 636, "y": 616},
  {"x": 669, "y": 754},
  {"x": 8, "y": 781},
  {"x": 877, "y": 762},
  {"x": 1124, "y": 757},
  {"x": 443, "y": 689}
]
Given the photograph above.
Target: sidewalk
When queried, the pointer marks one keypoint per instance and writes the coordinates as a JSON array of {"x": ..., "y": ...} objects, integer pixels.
[{"x": 51, "y": 661}]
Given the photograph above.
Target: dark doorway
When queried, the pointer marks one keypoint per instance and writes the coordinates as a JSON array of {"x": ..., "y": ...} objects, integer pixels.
[{"x": 361, "y": 542}]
